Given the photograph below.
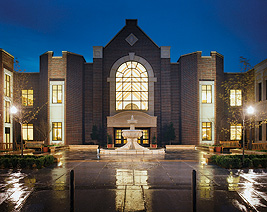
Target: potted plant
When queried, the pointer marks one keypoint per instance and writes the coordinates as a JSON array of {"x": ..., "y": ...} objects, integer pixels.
[
  {"x": 218, "y": 147},
  {"x": 109, "y": 145},
  {"x": 154, "y": 142},
  {"x": 45, "y": 148}
]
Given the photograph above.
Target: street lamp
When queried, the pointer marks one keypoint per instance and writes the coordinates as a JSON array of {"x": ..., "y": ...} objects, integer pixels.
[
  {"x": 250, "y": 111},
  {"x": 14, "y": 110}
]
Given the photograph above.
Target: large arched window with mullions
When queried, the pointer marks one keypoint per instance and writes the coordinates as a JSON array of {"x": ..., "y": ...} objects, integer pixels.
[{"x": 131, "y": 87}]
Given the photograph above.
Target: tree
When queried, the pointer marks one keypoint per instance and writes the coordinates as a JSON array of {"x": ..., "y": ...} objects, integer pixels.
[
  {"x": 23, "y": 108},
  {"x": 168, "y": 133},
  {"x": 244, "y": 82}
]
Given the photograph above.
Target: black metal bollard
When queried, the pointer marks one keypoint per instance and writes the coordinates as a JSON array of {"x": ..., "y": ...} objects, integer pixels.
[
  {"x": 72, "y": 187},
  {"x": 194, "y": 190}
]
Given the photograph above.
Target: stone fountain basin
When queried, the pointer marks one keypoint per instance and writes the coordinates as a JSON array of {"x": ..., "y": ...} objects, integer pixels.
[{"x": 132, "y": 133}]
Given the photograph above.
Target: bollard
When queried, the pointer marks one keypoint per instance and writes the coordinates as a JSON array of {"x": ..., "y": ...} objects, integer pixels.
[
  {"x": 72, "y": 186},
  {"x": 194, "y": 190}
]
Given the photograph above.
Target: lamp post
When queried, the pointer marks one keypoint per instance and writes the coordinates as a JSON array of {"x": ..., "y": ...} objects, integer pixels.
[
  {"x": 14, "y": 110},
  {"x": 250, "y": 111}
]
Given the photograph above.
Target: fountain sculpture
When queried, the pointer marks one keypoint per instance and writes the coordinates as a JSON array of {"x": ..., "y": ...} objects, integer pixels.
[{"x": 132, "y": 147}]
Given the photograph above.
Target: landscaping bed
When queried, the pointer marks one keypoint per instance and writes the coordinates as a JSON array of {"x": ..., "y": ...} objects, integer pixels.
[
  {"x": 235, "y": 161},
  {"x": 27, "y": 161}
]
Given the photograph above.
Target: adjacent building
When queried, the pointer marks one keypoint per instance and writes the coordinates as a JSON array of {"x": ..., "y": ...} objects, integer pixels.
[{"x": 131, "y": 75}]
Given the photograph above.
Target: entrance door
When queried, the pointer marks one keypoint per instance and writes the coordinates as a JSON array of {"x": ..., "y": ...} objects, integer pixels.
[{"x": 120, "y": 140}]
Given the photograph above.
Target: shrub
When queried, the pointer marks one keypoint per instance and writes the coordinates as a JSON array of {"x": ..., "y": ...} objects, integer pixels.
[
  {"x": 40, "y": 162},
  {"x": 30, "y": 161},
  {"x": 213, "y": 158},
  {"x": 22, "y": 163},
  {"x": 248, "y": 163},
  {"x": 14, "y": 162}
]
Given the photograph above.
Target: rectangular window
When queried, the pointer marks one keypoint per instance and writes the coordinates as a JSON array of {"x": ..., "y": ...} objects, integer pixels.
[
  {"x": 7, "y": 112},
  {"x": 119, "y": 139},
  {"x": 236, "y": 132},
  {"x": 7, "y": 85},
  {"x": 206, "y": 131},
  {"x": 260, "y": 93},
  {"x": 266, "y": 89},
  {"x": 7, "y": 138},
  {"x": 206, "y": 94},
  {"x": 235, "y": 97},
  {"x": 57, "y": 94},
  {"x": 145, "y": 137},
  {"x": 260, "y": 131},
  {"x": 27, "y": 132},
  {"x": 57, "y": 131},
  {"x": 27, "y": 97}
]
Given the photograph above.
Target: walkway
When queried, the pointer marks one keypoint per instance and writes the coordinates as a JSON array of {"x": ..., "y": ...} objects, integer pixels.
[{"x": 133, "y": 183}]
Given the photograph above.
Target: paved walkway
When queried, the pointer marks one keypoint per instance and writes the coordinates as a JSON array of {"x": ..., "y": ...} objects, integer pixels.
[{"x": 135, "y": 183}]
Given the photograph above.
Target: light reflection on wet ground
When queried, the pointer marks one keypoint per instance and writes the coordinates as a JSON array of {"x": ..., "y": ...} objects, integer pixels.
[{"x": 133, "y": 183}]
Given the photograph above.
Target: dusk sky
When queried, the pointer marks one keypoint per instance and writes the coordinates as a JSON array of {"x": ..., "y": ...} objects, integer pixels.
[{"x": 233, "y": 28}]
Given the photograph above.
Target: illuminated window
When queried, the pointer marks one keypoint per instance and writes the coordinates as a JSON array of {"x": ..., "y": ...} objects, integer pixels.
[
  {"x": 206, "y": 131},
  {"x": 27, "y": 97},
  {"x": 119, "y": 138},
  {"x": 235, "y": 97},
  {"x": 206, "y": 93},
  {"x": 235, "y": 132},
  {"x": 57, "y": 131},
  {"x": 260, "y": 92},
  {"x": 7, "y": 85},
  {"x": 57, "y": 94},
  {"x": 7, "y": 138},
  {"x": 27, "y": 132},
  {"x": 7, "y": 112},
  {"x": 131, "y": 87},
  {"x": 145, "y": 137}
]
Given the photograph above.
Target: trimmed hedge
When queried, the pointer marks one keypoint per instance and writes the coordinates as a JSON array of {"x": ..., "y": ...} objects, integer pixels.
[
  {"x": 235, "y": 161},
  {"x": 27, "y": 161}
]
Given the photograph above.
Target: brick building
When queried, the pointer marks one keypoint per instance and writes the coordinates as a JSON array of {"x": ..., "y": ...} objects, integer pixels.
[{"x": 131, "y": 75}]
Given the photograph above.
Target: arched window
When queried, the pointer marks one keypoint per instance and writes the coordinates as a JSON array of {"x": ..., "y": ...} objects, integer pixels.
[{"x": 131, "y": 87}]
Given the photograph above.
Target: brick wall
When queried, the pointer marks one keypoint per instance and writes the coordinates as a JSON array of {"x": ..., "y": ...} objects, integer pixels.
[
  {"x": 74, "y": 99},
  {"x": 88, "y": 101},
  {"x": 189, "y": 98}
]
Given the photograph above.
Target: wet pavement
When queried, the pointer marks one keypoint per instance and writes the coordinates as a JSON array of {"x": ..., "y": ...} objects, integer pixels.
[{"x": 133, "y": 183}]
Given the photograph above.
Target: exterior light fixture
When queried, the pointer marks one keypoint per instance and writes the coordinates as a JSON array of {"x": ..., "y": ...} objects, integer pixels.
[{"x": 13, "y": 110}]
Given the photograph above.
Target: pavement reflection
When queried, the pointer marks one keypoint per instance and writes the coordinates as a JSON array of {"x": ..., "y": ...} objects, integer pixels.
[{"x": 133, "y": 183}]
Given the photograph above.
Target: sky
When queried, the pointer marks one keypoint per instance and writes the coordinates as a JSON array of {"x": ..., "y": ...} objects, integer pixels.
[{"x": 234, "y": 28}]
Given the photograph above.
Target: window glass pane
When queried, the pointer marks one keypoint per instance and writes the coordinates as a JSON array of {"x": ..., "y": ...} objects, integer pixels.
[{"x": 131, "y": 78}]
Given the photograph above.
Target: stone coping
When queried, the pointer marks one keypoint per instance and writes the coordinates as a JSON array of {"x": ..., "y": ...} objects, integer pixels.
[
  {"x": 132, "y": 152},
  {"x": 92, "y": 147},
  {"x": 173, "y": 147}
]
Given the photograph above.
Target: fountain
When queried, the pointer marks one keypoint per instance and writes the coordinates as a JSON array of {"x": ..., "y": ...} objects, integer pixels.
[{"x": 132, "y": 147}]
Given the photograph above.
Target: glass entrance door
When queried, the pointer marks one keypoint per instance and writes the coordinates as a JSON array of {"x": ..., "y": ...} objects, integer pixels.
[{"x": 120, "y": 140}]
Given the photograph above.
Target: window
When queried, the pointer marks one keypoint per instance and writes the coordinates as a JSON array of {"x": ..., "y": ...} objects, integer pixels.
[
  {"x": 57, "y": 131},
  {"x": 27, "y": 97},
  {"x": 7, "y": 138},
  {"x": 235, "y": 132},
  {"x": 235, "y": 97},
  {"x": 27, "y": 132},
  {"x": 260, "y": 131},
  {"x": 266, "y": 89},
  {"x": 260, "y": 92},
  {"x": 131, "y": 87},
  {"x": 7, "y": 85},
  {"x": 57, "y": 94},
  {"x": 206, "y": 93},
  {"x": 119, "y": 138},
  {"x": 7, "y": 112},
  {"x": 144, "y": 139},
  {"x": 206, "y": 131}
]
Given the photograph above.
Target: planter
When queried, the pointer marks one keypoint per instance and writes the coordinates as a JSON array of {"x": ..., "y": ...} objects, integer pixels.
[
  {"x": 109, "y": 145},
  {"x": 153, "y": 145},
  {"x": 45, "y": 149},
  {"x": 218, "y": 148},
  {"x": 211, "y": 148}
]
